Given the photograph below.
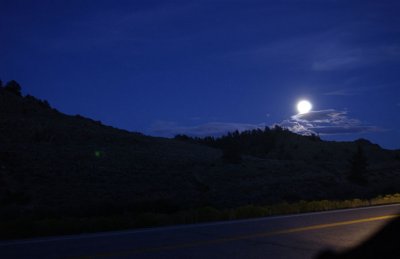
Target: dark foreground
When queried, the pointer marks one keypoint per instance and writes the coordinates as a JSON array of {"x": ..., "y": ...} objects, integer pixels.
[{"x": 293, "y": 236}]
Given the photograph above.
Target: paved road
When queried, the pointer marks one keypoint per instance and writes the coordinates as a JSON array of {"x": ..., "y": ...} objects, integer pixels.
[{"x": 293, "y": 236}]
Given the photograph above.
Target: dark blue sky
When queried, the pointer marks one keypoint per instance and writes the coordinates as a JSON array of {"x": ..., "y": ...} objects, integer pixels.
[{"x": 204, "y": 67}]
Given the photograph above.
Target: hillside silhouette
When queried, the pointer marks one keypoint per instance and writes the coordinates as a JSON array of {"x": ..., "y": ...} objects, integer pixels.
[{"x": 58, "y": 165}]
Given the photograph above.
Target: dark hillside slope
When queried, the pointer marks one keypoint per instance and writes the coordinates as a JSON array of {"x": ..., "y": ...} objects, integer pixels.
[
  {"x": 55, "y": 164},
  {"x": 51, "y": 161}
]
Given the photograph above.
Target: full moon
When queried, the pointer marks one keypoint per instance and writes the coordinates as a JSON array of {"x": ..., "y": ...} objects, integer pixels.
[{"x": 304, "y": 106}]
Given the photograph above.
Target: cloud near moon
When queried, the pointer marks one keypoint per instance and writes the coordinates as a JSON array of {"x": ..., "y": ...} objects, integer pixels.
[{"x": 324, "y": 122}]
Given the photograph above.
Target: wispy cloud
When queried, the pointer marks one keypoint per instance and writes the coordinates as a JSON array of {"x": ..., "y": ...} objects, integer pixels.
[
  {"x": 319, "y": 52},
  {"x": 326, "y": 122},
  {"x": 333, "y": 63},
  {"x": 343, "y": 92},
  {"x": 351, "y": 90},
  {"x": 339, "y": 56}
]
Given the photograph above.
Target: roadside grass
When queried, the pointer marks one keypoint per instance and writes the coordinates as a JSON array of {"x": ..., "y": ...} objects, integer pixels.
[{"x": 30, "y": 227}]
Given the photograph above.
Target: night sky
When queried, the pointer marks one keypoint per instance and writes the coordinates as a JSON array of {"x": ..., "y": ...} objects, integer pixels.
[{"x": 206, "y": 67}]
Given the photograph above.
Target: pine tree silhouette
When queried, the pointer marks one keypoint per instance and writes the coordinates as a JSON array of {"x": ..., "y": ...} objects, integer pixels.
[
  {"x": 358, "y": 166},
  {"x": 13, "y": 87}
]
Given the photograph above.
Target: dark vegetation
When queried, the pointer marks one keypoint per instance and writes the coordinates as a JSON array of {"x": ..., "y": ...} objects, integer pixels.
[
  {"x": 62, "y": 173},
  {"x": 257, "y": 143},
  {"x": 359, "y": 164}
]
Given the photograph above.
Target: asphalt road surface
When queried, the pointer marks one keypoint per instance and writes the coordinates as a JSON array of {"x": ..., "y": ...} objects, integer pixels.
[{"x": 293, "y": 236}]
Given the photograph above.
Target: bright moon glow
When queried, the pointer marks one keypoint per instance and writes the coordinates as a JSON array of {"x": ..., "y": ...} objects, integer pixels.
[{"x": 304, "y": 107}]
